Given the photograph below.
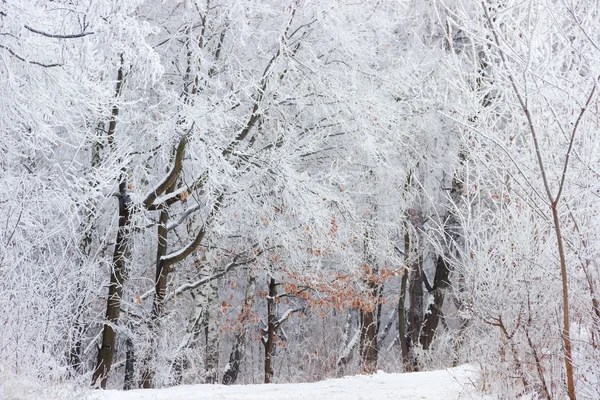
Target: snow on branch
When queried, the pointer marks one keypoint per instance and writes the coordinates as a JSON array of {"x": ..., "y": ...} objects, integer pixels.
[
  {"x": 29, "y": 61},
  {"x": 264, "y": 83},
  {"x": 183, "y": 217},
  {"x": 200, "y": 282},
  {"x": 182, "y": 253},
  {"x": 56, "y": 36},
  {"x": 169, "y": 179},
  {"x": 194, "y": 285},
  {"x": 286, "y": 315}
]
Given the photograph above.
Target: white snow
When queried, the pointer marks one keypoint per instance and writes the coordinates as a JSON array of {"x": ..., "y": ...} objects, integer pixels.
[{"x": 454, "y": 383}]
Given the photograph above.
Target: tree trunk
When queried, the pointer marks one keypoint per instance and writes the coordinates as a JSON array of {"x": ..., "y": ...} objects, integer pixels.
[
  {"x": 369, "y": 349},
  {"x": 211, "y": 361},
  {"x": 388, "y": 326},
  {"x": 203, "y": 320},
  {"x": 120, "y": 254},
  {"x": 415, "y": 312},
  {"x": 115, "y": 289},
  {"x": 129, "y": 365},
  {"x": 160, "y": 286},
  {"x": 76, "y": 348},
  {"x": 370, "y": 314},
  {"x": 269, "y": 340},
  {"x": 566, "y": 331},
  {"x": 195, "y": 324},
  {"x": 239, "y": 345},
  {"x": 402, "y": 331},
  {"x": 432, "y": 316},
  {"x": 347, "y": 345}
]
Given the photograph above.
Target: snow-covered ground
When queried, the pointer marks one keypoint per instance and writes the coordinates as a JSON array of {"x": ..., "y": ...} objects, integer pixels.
[
  {"x": 455, "y": 383},
  {"x": 449, "y": 384}
]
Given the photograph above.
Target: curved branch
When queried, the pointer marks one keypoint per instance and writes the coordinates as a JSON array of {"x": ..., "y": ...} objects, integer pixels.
[
  {"x": 182, "y": 253},
  {"x": 171, "y": 177}
]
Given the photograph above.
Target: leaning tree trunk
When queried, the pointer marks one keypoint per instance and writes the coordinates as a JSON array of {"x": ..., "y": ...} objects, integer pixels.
[
  {"x": 194, "y": 328},
  {"x": 370, "y": 313}
]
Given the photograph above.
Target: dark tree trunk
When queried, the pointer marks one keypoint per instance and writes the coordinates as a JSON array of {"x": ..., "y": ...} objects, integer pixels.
[
  {"x": 120, "y": 254},
  {"x": 369, "y": 349},
  {"x": 129, "y": 365},
  {"x": 402, "y": 331},
  {"x": 160, "y": 285},
  {"x": 162, "y": 270},
  {"x": 432, "y": 316},
  {"x": 369, "y": 330},
  {"x": 270, "y": 337},
  {"x": 115, "y": 289},
  {"x": 415, "y": 312}
]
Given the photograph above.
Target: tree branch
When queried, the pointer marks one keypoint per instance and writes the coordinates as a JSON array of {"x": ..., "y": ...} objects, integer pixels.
[
  {"x": 182, "y": 254},
  {"x": 564, "y": 173},
  {"x": 523, "y": 105},
  {"x": 194, "y": 285},
  {"x": 171, "y": 177},
  {"x": 28, "y": 61},
  {"x": 183, "y": 217},
  {"x": 56, "y": 36}
]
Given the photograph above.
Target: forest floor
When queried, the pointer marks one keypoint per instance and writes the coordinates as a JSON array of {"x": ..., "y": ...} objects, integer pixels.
[
  {"x": 449, "y": 384},
  {"x": 454, "y": 383}
]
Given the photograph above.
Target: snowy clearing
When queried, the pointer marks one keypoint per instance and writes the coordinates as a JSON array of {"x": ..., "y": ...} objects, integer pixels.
[
  {"x": 453, "y": 383},
  {"x": 448, "y": 384}
]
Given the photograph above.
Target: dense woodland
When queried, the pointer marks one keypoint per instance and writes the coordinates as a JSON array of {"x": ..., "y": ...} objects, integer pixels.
[{"x": 247, "y": 191}]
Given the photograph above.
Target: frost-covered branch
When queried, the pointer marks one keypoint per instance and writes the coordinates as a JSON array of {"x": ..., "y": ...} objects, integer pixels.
[
  {"x": 286, "y": 315},
  {"x": 169, "y": 179},
  {"x": 183, "y": 217},
  {"x": 182, "y": 253},
  {"x": 29, "y": 61},
  {"x": 57, "y": 36},
  {"x": 200, "y": 282}
]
